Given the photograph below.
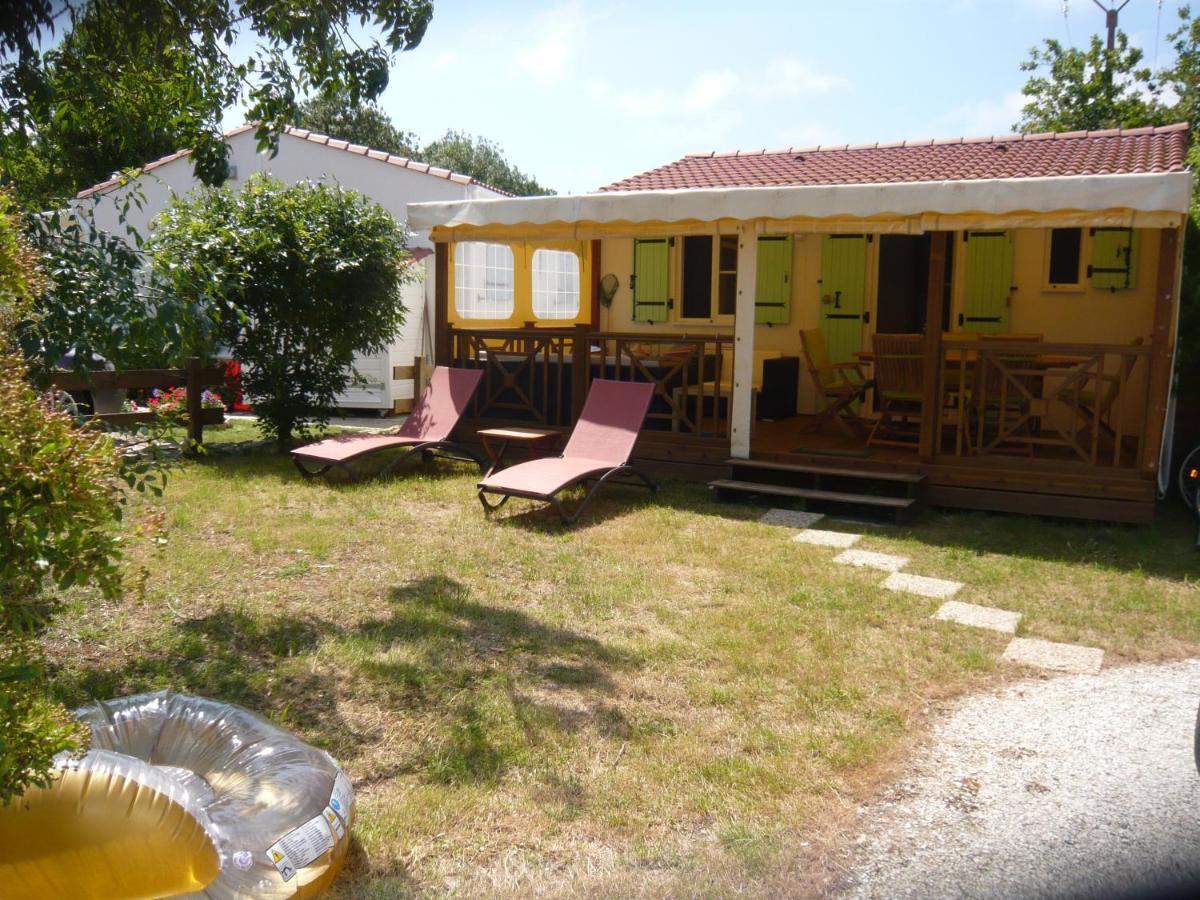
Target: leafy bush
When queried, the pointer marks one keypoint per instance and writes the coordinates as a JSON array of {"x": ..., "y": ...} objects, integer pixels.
[
  {"x": 60, "y": 502},
  {"x": 300, "y": 278},
  {"x": 34, "y": 727},
  {"x": 20, "y": 278}
]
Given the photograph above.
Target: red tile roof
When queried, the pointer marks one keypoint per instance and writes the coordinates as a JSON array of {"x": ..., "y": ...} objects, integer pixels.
[
  {"x": 313, "y": 137},
  {"x": 1117, "y": 151}
]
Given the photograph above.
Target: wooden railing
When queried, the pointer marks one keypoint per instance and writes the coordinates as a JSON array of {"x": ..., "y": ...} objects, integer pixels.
[
  {"x": 1065, "y": 401},
  {"x": 195, "y": 377},
  {"x": 541, "y": 375}
]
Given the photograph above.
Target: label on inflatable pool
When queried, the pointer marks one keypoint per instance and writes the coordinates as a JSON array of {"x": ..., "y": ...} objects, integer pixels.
[
  {"x": 335, "y": 824},
  {"x": 343, "y": 796},
  {"x": 299, "y": 848}
]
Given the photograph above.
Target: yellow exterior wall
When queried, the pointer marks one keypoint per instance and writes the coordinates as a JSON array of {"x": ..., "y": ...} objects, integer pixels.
[
  {"x": 1080, "y": 316},
  {"x": 522, "y": 252}
]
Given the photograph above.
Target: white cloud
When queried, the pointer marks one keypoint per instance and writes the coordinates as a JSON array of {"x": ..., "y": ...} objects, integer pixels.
[
  {"x": 985, "y": 117},
  {"x": 557, "y": 33},
  {"x": 720, "y": 92},
  {"x": 791, "y": 77},
  {"x": 709, "y": 90},
  {"x": 443, "y": 61}
]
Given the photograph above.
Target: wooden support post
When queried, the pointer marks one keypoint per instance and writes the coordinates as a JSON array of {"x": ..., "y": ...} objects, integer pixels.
[
  {"x": 1158, "y": 386},
  {"x": 442, "y": 348},
  {"x": 596, "y": 276},
  {"x": 195, "y": 403},
  {"x": 741, "y": 413},
  {"x": 581, "y": 361},
  {"x": 420, "y": 376},
  {"x": 931, "y": 389}
]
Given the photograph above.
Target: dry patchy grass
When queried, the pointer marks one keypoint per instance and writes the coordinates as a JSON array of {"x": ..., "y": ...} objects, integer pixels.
[{"x": 669, "y": 699}]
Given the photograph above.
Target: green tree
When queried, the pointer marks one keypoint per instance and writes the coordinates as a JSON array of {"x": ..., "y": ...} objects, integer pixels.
[
  {"x": 363, "y": 123},
  {"x": 102, "y": 300},
  {"x": 116, "y": 56},
  {"x": 302, "y": 277},
  {"x": 1090, "y": 89},
  {"x": 481, "y": 159}
]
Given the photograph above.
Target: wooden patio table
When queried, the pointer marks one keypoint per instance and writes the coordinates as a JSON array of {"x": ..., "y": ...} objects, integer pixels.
[
  {"x": 1044, "y": 360},
  {"x": 497, "y": 440}
]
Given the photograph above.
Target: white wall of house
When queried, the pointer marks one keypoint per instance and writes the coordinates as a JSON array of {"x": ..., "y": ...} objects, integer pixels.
[{"x": 390, "y": 185}]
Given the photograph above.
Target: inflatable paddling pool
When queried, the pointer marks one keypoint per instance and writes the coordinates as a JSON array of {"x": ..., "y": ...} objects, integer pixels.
[{"x": 180, "y": 795}]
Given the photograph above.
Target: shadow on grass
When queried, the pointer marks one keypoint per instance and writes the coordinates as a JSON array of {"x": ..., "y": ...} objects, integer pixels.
[
  {"x": 499, "y": 681},
  {"x": 232, "y": 656},
  {"x": 1164, "y": 549},
  {"x": 491, "y": 683}
]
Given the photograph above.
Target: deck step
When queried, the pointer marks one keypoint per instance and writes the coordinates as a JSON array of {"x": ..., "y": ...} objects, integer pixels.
[
  {"x": 782, "y": 490},
  {"x": 863, "y": 474}
]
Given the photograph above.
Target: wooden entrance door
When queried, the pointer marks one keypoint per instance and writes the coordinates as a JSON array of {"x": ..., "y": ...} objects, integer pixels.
[
  {"x": 843, "y": 293},
  {"x": 989, "y": 282}
]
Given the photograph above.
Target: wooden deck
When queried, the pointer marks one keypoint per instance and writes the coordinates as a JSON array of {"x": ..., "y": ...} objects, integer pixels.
[
  {"x": 1051, "y": 484},
  {"x": 1023, "y": 445}
]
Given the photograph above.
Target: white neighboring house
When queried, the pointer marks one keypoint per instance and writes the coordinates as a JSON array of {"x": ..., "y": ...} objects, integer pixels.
[{"x": 391, "y": 181}]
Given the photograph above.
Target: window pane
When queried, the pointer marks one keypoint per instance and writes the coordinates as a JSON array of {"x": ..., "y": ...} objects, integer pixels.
[
  {"x": 729, "y": 249},
  {"x": 697, "y": 277},
  {"x": 555, "y": 284},
  {"x": 483, "y": 280},
  {"x": 727, "y": 301},
  {"x": 1064, "y": 255}
]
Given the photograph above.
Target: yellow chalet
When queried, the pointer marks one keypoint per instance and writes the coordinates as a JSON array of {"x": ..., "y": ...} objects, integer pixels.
[{"x": 977, "y": 322}]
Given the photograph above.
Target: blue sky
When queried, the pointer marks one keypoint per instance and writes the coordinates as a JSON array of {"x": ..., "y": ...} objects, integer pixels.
[{"x": 581, "y": 94}]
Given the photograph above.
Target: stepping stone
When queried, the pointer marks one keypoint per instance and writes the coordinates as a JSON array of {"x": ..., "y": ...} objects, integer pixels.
[
  {"x": 1070, "y": 658},
  {"x": 884, "y": 562},
  {"x": 937, "y": 588},
  {"x": 791, "y": 518},
  {"x": 978, "y": 616},
  {"x": 827, "y": 538}
]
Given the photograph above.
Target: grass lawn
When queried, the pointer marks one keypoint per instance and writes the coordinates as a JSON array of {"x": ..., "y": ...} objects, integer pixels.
[{"x": 670, "y": 698}]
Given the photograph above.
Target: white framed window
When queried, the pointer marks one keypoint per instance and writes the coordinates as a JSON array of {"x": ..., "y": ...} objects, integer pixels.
[
  {"x": 483, "y": 280},
  {"x": 555, "y": 284}
]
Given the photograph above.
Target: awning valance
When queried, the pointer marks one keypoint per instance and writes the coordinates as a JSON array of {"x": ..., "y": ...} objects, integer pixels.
[{"x": 1141, "y": 200}]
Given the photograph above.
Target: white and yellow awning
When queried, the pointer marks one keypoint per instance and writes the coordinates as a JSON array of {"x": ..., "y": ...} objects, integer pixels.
[{"x": 1155, "y": 200}]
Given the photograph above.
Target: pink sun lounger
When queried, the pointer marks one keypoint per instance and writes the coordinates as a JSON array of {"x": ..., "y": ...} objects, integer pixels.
[
  {"x": 426, "y": 431},
  {"x": 598, "y": 451}
]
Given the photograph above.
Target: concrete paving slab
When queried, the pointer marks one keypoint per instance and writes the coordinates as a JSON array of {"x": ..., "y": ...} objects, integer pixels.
[
  {"x": 1070, "y": 658},
  {"x": 868, "y": 559},
  {"x": 978, "y": 616},
  {"x": 937, "y": 588},
  {"x": 791, "y": 518},
  {"x": 827, "y": 538}
]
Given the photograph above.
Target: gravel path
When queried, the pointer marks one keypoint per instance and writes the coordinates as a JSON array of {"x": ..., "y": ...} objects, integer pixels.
[{"x": 1075, "y": 786}]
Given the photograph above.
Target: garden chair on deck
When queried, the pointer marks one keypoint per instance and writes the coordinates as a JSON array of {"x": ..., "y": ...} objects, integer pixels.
[
  {"x": 426, "y": 431},
  {"x": 598, "y": 451},
  {"x": 838, "y": 385},
  {"x": 1007, "y": 385},
  {"x": 1095, "y": 407},
  {"x": 899, "y": 387}
]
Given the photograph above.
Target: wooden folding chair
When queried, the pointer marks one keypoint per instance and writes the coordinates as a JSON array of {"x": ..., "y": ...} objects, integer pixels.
[
  {"x": 838, "y": 385},
  {"x": 899, "y": 388}
]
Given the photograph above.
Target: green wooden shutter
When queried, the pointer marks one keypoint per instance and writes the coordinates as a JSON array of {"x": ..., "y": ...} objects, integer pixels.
[
  {"x": 1114, "y": 258},
  {"x": 651, "y": 281},
  {"x": 773, "y": 282},
  {"x": 843, "y": 293},
  {"x": 989, "y": 282}
]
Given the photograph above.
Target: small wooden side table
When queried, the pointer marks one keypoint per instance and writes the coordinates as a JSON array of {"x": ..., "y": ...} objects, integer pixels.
[{"x": 535, "y": 441}]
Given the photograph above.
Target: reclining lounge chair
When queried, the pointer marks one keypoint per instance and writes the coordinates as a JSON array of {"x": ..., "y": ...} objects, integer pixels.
[
  {"x": 598, "y": 451},
  {"x": 426, "y": 431}
]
